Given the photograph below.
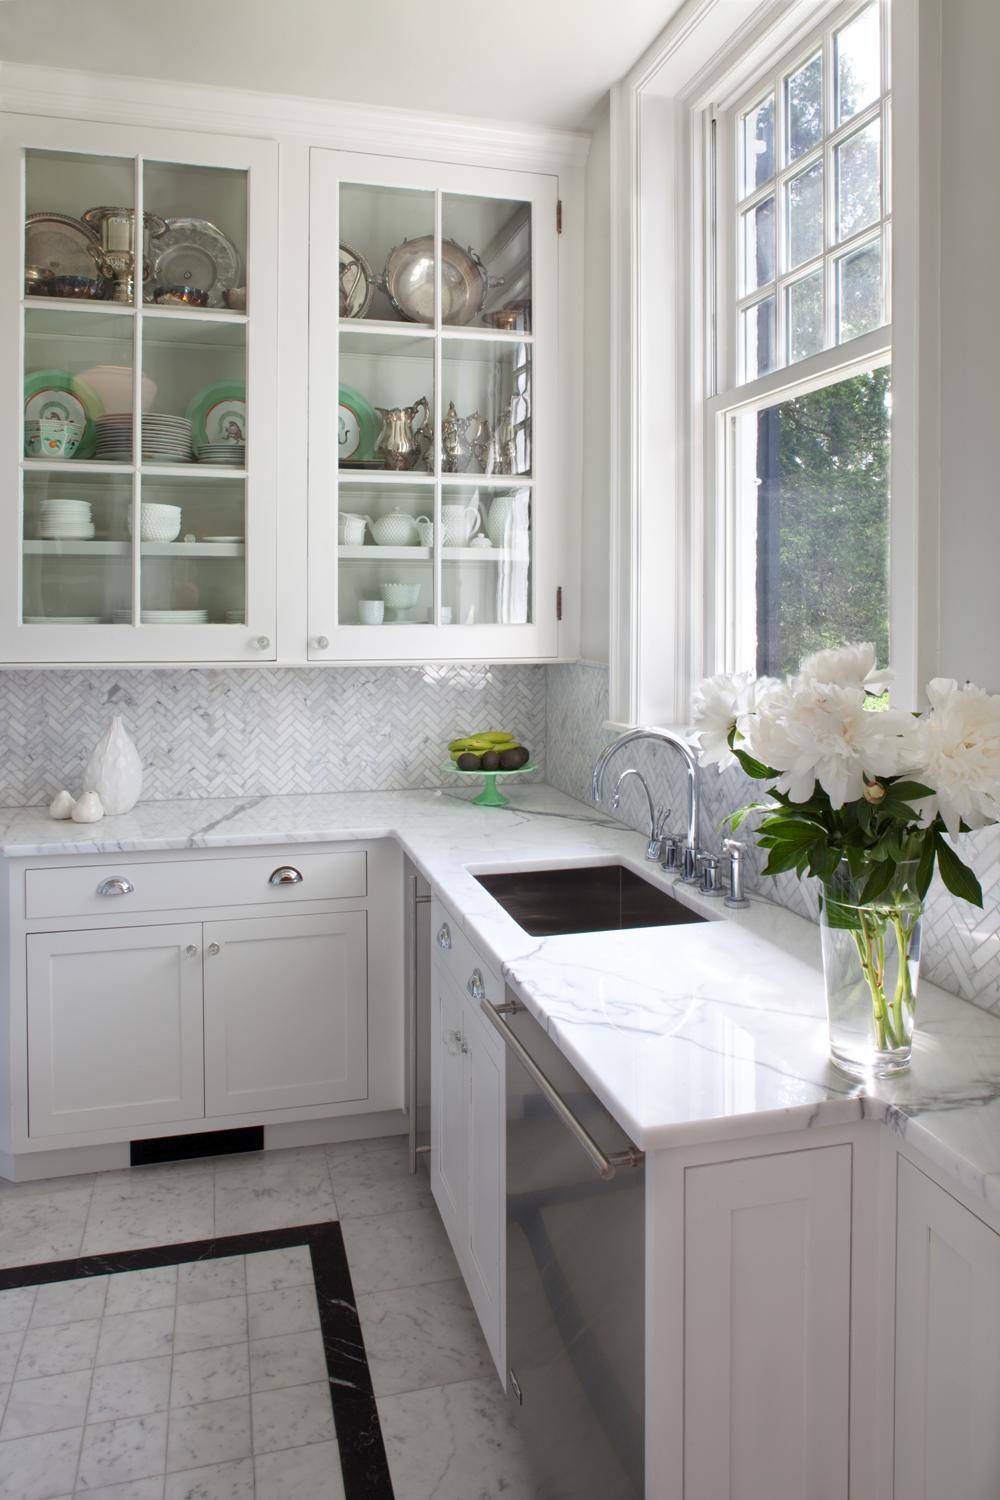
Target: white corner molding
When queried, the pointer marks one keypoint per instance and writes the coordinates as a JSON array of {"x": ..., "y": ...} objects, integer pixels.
[{"x": 118, "y": 100}]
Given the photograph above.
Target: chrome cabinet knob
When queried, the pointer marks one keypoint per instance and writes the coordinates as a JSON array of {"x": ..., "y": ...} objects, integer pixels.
[
  {"x": 322, "y": 643},
  {"x": 116, "y": 885},
  {"x": 285, "y": 875},
  {"x": 214, "y": 949},
  {"x": 444, "y": 936},
  {"x": 191, "y": 950},
  {"x": 476, "y": 985},
  {"x": 263, "y": 642}
]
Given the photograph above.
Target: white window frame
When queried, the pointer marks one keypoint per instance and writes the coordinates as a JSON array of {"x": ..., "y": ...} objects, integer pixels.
[{"x": 665, "y": 590}]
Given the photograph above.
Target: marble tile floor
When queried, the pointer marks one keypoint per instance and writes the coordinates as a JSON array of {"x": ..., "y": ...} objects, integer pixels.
[{"x": 206, "y": 1381}]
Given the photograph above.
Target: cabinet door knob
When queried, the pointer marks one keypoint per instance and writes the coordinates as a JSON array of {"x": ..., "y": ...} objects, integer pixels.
[
  {"x": 214, "y": 949},
  {"x": 285, "y": 875},
  {"x": 476, "y": 985},
  {"x": 262, "y": 642},
  {"x": 322, "y": 643},
  {"x": 116, "y": 885},
  {"x": 444, "y": 936},
  {"x": 191, "y": 950}
]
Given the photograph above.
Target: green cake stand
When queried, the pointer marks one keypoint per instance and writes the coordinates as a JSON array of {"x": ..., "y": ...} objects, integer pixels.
[{"x": 490, "y": 796}]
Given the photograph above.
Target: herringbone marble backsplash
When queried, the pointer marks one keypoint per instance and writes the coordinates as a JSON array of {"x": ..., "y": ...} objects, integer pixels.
[
  {"x": 961, "y": 944},
  {"x": 205, "y": 733}
]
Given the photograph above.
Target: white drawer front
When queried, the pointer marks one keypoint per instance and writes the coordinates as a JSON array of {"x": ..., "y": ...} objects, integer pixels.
[
  {"x": 119, "y": 887},
  {"x": 451, "y": 949}
]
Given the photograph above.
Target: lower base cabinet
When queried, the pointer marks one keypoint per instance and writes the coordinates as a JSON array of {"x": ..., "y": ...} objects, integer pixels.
[
  {"x": 114, "y": 1028},
  {"x": 468, "y": 1149},
  {"x": 285, "y": 1012},
  {"x": 947, "y": 1421},
  {"x": 767, "y": 1299}
]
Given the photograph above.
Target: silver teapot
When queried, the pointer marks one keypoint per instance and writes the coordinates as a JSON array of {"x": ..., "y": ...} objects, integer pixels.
[
  {"x": 458, "y": 438},
  {"x": 399, "y": 442}
]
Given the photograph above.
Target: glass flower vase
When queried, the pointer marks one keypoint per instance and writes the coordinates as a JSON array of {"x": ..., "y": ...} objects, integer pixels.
[{"x": 871, "y": 965}]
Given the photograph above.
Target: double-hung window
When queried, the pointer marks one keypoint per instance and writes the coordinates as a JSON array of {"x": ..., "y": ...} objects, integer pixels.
[{"x": 798, "y": 334}]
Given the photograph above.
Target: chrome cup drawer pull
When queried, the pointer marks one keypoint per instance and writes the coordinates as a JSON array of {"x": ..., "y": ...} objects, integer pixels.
[
  {"x": 476, "y": 985},
  {"x": 115, "y": 885},
  {"x": 214, "y": 949},
  {"x": 285, "y": 875},
  {"x": 444, "y": 936}
]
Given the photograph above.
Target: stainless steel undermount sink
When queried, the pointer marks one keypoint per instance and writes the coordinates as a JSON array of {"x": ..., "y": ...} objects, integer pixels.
[{"x": 586, "y": 898}]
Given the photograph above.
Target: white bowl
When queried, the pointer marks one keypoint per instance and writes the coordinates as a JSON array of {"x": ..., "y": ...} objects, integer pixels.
[{"x": 400, "y": 595}]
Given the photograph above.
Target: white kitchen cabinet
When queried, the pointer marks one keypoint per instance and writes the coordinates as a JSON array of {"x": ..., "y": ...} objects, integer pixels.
[
  {"x": 468, "y": 1142},
  {"x": 114, "y": 1028},
  {"x": 443, "y": 536},
  {"x": 767, "y": 1300},
  {"x": 947, "y": 1399},
  {"x": 286, "y": 1012}
]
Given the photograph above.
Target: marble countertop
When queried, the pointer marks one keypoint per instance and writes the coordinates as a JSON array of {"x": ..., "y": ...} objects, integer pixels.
[{"x": 687, "y": 1034}]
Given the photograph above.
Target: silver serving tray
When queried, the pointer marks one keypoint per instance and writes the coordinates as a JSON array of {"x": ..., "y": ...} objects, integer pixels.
[
  {"x": 195, "y": 252},
  {"x": 61, "y": 244},
  {"x": 408, "y": 281}
]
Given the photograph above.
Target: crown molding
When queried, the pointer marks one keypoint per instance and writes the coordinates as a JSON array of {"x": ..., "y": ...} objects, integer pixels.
[{"x": 69, "y": 94}]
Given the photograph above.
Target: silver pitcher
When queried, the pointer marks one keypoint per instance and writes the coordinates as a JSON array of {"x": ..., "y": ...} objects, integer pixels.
[
  {"x": 399, "y": 444},
  {"x": 458, "y": 436}
]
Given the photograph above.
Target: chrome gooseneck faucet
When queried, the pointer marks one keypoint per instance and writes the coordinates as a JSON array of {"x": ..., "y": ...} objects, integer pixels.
[{"x": 689, "y": 869}]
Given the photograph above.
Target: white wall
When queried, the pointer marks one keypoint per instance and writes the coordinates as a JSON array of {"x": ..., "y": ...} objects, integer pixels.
[
  {"x": 970, "y": 342},
  {"x": 595, "y": 514}
]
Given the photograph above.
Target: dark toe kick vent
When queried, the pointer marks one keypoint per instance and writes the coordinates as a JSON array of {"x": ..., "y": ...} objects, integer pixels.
[{"x": 206, "y": 1143}]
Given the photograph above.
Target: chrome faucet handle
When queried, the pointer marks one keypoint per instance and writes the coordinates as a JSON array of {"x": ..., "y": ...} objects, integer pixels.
[
  {"x": 669, "y": 849},
  {"x": 689, "y": 864},
  {"x": 711, "y": 878},
  {"x": 734, "y": 852}
]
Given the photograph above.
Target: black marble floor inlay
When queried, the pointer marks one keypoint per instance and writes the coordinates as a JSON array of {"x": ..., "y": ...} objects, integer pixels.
[{"x": 359, "y": 1434}]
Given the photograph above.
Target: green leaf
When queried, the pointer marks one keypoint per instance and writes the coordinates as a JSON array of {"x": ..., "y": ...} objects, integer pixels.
[
  {"x": 906, "y": 791},
  {"x": 785, "y": 858},
  {"x": 878, "y": 881},
  {"x": 957, "y": 876},
  {"x": 844, "y": 918},
  {"x": 925, "y": 867},
  {"x": 752, "y": 767},
  {"x": 792, "y": 830}
]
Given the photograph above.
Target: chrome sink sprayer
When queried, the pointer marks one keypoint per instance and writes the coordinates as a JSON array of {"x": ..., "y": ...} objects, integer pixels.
[{"x": 697, "y": 867}]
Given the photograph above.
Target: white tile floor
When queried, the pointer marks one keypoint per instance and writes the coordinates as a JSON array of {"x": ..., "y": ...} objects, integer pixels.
[{"x": 208, "y": 1381}]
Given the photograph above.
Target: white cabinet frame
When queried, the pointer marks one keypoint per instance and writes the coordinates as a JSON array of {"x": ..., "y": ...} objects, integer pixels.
[{"x": 146, "y": 643}]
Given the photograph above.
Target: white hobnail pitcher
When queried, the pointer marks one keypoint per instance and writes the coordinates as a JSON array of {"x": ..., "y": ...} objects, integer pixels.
[
  {"x": 114, "y": 771},
  {"x": 460, "y": 523},
  {"x": 351, "y": 529}
]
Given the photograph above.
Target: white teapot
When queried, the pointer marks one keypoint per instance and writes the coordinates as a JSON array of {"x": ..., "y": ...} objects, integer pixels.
[
  {"x": 461, "y": 523},
  {"x": 397, "y": 529}
]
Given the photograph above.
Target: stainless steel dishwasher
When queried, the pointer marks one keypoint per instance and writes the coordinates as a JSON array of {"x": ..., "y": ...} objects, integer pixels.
[{"x": 575, "y": 1273}]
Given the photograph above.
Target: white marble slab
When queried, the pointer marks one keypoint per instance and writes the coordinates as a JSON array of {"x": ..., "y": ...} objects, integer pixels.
[{"x": 687, "y": 1034}]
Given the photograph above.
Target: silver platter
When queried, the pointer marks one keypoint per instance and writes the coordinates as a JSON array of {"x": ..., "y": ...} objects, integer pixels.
[
  {"x": 195, "y": 252},
  {"x": 409, "y": 281},
  {"x": 61, "y": 244}
]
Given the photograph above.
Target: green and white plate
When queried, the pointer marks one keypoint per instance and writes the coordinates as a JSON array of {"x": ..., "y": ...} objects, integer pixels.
[
  {"x": 57, "y": 393},
  {"x": 218, "y": 414},
  {"x": 358, "y": 426}
]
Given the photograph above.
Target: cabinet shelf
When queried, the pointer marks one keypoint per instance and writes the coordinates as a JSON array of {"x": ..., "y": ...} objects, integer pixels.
[
  {"x": 158, "y": 471},
  {"x": 42, "y": 547},
  {"x": 407, "y": 477},
  {"x": 424, "y": 554},
  {"x": 126, "y": 310}
]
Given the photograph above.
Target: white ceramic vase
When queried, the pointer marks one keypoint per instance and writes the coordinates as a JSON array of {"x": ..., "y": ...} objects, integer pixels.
[{"x": 114, "y": 771}]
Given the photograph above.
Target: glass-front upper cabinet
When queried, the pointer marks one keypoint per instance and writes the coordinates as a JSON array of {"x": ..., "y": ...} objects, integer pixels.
[
  {"x": 433, "y": 519},
  {"x": 139, "y": 304}
]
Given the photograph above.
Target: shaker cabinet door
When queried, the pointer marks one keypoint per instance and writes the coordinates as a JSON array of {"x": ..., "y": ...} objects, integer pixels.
[
  {"x": 449, "y": 1111},
  {"x": 487, "y": 1184},
  {"x": 947, "y": 1346},
  {"x": 767, "y": 1288},
  {"x": 114, "y": 1028},
  {"x": 286, "y": 1012}
]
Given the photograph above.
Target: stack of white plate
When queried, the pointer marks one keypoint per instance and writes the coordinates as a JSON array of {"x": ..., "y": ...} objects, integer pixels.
[
  {"x": 63, "y": 620},
  {"x": 235, "y": 616},
  {"x": 65, "y": 520},
  {"x": 163, "y": 616},
  {"x": 229, "y": 455},
  {"x": 165, "y": 439}
]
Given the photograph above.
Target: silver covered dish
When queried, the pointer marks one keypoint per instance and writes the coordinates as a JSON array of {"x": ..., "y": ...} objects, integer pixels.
[{"x": 408, "y": 281}]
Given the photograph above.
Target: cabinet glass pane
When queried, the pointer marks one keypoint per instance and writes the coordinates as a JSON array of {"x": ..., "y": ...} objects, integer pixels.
[
  {"x": 486, "y": 406},
  {"x": 194, "y": 391},
  {"x": 63, "y": 251},
  {"x": 486, "y": 558},
  {"x": 486, "y": 263},
  {"x": 197, "y": 235},
  {"x": 385, "y": 535},
  {"x": 77, "y": 559},
  {"x": 386, "y": 401},
  {"x": 77, "y": 367},
  {"x": 192, "y": 548},
  {"x": 386, "y": 234}
]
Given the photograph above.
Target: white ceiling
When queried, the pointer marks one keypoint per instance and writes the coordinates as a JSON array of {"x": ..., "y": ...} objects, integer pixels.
[{"x": 544, "y": 62}]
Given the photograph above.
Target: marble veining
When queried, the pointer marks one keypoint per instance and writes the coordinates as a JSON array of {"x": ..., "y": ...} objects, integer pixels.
[{"x": 687, "y": 1034}]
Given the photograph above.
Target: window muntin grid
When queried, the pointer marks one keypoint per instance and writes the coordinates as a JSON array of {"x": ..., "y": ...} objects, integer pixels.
[{"x": 813, "y": 209}]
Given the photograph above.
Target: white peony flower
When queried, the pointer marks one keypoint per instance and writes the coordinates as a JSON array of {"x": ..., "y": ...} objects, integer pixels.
[
  {"x": 957, "y": 754},
  {"x": 813, "y": 731},
  {"x": 847, "y": 666},
  {"x": 715, "y": 705}
]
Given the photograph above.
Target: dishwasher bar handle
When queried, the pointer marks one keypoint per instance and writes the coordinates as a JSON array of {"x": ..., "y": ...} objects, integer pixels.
[{"x": 607, "y": 1165}]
